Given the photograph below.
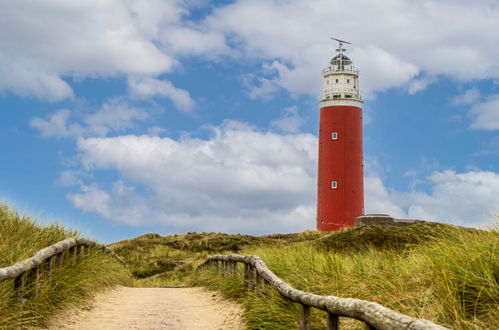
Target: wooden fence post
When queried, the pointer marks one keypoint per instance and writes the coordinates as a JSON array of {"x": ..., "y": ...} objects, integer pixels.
[
  {"x": 81, "y": 250},
  {"x": 19, "y": 283},
  {"x": 256, "y": 279},
  {"x": 36, "y": 272},
  {"x": 246, "y": 275},
  {"x": 73, "y": 253},
  {"x": 333, "y": 321},
  {"x": 50, "y": 266},
  {"x": 60, "y": 259},
  {"x": 251, "y": 278},
  {"x": 305, "y": 317}
]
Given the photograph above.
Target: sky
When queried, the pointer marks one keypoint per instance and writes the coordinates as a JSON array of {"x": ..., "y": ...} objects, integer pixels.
[{"x": 121, "y": 117}]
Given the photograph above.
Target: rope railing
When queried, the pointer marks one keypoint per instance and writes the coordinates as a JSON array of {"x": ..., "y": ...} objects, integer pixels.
[
  {"x": 50, "y": 257},
  {"x": 375, "y": 316}
]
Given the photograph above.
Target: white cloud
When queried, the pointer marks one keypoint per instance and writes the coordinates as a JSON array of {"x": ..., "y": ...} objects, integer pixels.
[
  {"x": 114, "y": 115},
  {"x": 404, "y": 38},
  {"x": 150, "y": 87},
  {"x": 378, "y": 199},
  {"x": 56, "y": 125},
  {"x": 471, "y": 96},
  {"x": 29, "y": 81},
  {"x": 245, "y": 180},
  {"x": 470, "y": 198},
  {"x": 290, "y": 122},
  {"x": 419, "y": 84},
  {"x": 485, "y": 116},
  {"x": 240, "y": 178},
  {"x": 43, "y": 43}
]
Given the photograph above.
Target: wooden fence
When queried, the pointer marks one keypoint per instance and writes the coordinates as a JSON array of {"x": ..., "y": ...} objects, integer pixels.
[
  {"x": 50, "y": 257},
  {"x": 375, "y": 316}
]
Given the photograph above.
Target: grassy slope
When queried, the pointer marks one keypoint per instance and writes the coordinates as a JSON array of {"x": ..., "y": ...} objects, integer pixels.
[
  {"x": 156, "y": 260},
  {"x": 20, "y": 238},
  {"x": 439, "y": 272}
]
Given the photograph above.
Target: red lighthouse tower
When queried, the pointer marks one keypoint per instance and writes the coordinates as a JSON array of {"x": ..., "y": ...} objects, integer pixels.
[{"x": 340, "y": 192}]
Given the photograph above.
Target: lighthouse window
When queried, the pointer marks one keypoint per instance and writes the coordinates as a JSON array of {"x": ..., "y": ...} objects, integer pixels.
[
  {"x": 334, "y": 185},
  {"x": 348, "y": 81},
  {"x": 334, "y": 136},
  {"x": 336, "y": 80}
]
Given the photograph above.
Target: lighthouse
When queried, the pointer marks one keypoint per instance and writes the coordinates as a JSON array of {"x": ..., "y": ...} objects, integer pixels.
[{"x": 340, "y": 191}]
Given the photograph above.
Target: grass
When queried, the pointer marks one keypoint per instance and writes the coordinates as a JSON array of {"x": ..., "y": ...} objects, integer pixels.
[
  {"x": 20, "y": 238},
  {"x": 443, "y": 273},
  {"x": 156, "y": 260}
]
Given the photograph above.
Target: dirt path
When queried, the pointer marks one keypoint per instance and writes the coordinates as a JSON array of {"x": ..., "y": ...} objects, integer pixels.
[{"x": 154, "y": 308}]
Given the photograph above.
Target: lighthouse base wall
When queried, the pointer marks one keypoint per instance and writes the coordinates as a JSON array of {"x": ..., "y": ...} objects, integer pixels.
[{"x": 340, "y": 191}]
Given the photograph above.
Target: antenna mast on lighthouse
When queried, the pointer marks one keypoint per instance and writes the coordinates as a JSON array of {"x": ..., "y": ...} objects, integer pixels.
[{"x": 340, "y": 48}]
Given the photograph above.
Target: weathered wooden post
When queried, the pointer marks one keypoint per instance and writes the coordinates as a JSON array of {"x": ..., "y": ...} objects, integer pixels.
[
  {"x": 50, "y": 266},
  {"x": 81, "y": 251},
  {"x": 32, "y": 276},
  {"x": 305, "y": 317},
  {"x": 246, "y": 275},
  {"x": 256, "y": 279},
  {"x": 333, "y": 321},
  {"x": 60, "y": 259},
  {"x": 251, "y": 278},
  {"x": 19, "y": 284},
  {"x": 73, "y": 253},
  {"x": 36, "y": 274}
]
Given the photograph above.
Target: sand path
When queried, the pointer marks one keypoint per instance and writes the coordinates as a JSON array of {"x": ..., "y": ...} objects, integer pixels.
[{"x": 153, "y": 308}]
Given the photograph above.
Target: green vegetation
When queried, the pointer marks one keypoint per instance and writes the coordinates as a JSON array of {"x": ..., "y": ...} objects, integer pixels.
[
  {"x": 156, "y": 260},
  {"x": 21, "y": 238},
  {"x": 438, "y": 272},
  {"x": 443, "y": 273}
]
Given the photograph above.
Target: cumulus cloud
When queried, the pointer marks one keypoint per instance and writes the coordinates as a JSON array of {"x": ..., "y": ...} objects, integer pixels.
[
  {"x": 470, "y": 198},
  {"x": 289, "y": 122},
  {"x": 469, "y": 97},
  {"x": 244, "y": 180},
  {"x": 150, "y": 87},
  {"x": 379, "y": 200},
  {"x": 238, "y": 179},
  {"x": 56, "y": 125},
  {"x": 390, "y": 53},
  {"x": 42, "y": 43},
  {"x": 114, "y": 115},
  {"x": 485, "y": 116}
]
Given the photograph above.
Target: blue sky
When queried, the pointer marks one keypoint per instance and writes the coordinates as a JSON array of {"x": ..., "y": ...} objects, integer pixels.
[{"x": 126, "y": 117}]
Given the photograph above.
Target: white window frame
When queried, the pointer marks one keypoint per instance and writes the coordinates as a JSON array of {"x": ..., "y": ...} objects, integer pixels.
[
  {"x": 334, "y": 136},
  {"x": 334, "y": 185}
]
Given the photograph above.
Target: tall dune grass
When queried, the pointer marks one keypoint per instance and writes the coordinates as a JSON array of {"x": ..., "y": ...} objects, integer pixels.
[
  {"x": 20, "y": 238},
  {"x": 452, "y": 280}
]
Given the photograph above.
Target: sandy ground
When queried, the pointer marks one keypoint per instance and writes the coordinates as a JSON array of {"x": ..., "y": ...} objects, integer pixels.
[{"x": 153, "y": 308}]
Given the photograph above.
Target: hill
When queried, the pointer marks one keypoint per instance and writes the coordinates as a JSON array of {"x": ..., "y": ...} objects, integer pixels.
[
  {"x": 443, "y": 273},
  {"x": 156, "y": 260}
]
